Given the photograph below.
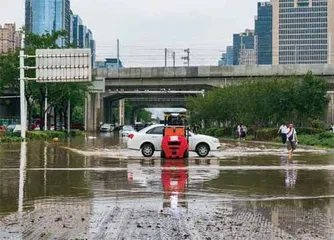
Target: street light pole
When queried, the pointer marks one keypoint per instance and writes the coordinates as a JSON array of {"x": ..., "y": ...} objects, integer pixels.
[{"x": 22, "y": 92}]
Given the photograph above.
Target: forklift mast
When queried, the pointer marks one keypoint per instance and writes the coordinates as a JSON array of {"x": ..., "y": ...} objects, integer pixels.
[{"x": 175, "y": 124}]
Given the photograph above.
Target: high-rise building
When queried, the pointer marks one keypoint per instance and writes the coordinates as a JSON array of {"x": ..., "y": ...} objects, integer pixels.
[
  {"x": 76, "y": 21},
  {"x": 108, "y": 63},
  {"x": 303, "y": 31},
  {"x": 263, "y": 32},
  {"x": 48, "y": 16},
  {"x": 93, "y": 51},
  {"x": 90, "y": 43},
  {"x": 229, "y": 55},
  {"x": 222, "y": 60},
  {"x": 10, "y": 38},
  {"x": 82, "y": 36},
  {"x": 244, "y": 48}
]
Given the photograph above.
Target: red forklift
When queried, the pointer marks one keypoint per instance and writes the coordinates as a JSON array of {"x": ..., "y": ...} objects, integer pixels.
[{"x": 175, "y": 140}]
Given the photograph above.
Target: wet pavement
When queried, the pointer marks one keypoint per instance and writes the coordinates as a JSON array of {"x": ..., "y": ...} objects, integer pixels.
[{"x": 94, "y": 188}]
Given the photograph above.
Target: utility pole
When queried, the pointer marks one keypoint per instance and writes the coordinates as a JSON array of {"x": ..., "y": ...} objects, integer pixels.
[
  {"x": 166, "y": 52},
  {"x": 187, "y": 58},
  {"x": 118, "y": 53},
  {"x": 121, "y": 101},
  {"x": 173, "y": 58}
]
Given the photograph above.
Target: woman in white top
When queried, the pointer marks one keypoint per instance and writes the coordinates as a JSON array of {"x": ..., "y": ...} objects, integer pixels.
[
  {"x": 291, "y": 135},
  {"x": 282, "y": 130}
]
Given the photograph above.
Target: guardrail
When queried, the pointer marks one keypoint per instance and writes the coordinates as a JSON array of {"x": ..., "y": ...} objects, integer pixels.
[{"x": 8, "y": 121}]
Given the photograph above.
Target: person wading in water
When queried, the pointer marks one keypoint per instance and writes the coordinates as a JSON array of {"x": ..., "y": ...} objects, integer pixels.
[
  {"x": 291, "y": 136},
  {"x": 282, "y": 130}
]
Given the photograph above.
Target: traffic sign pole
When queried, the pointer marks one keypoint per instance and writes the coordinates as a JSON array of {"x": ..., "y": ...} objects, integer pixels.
[{"x": 23, "y": 113}]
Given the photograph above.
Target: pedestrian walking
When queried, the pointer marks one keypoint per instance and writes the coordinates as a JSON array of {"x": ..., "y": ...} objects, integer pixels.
[
  {"x": 241, "y": 131},
  {"x": 282, "y": 131},
  {"x": 292, "y": 140}
]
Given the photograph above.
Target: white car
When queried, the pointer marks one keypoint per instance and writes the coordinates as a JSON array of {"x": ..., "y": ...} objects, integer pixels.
[
  {"x": 106, "y": 127},
  {"x": 126, "y": 129},
  {"x": 148, "y": 140},
  {"x": 14, "y": 128}
]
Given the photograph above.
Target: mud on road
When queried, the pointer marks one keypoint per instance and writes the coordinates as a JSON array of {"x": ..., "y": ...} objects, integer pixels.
[{"x": 133, "y": 219}]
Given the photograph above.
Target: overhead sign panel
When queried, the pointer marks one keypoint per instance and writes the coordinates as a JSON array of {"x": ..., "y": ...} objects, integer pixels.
[{"x": 63, "y": 65}]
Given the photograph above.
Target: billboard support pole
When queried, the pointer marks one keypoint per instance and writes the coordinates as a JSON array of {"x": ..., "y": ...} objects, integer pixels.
[{"x": 22, "y": 93}]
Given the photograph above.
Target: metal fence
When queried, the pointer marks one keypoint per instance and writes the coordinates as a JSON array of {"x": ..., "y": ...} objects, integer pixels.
[{"x": 9, "y": 121}]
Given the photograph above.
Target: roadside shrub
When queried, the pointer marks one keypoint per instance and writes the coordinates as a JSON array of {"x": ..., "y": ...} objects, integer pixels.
[
  {"x": 318, "y": 124},
  {"x": 326, "y": 135},
  {"x": 36, "y": 135},
  {"x": 211, "y": 131},
  {"x": 266, "y": 134},
  {"x": 323, "y": 140},
  {"x": 201, "y": 131},
  {"x": 309, "y": 130},
  {"x": 76, "y": 133},
  {"x": 45, "y": 135},
  {"x": 10, "y": 139},
  {"x": 220, "y": 132},
  {"x": 53, "y": 134}
]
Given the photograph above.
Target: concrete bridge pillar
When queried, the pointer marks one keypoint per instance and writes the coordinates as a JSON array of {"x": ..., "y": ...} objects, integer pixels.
[
  {"x": 330, "y": 114},
  {"x": 107, "y": 111},
  {"x": 121, "y": 112},
  {"x": 93, "y": 111},
  {"x": 134, "y": 118}
]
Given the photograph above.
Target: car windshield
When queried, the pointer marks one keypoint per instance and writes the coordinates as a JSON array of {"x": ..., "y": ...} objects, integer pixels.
[
  {"x": 127, "y": 128},
  {"x": 148, "y": 127},
  {"x": 10, "y": 127}
]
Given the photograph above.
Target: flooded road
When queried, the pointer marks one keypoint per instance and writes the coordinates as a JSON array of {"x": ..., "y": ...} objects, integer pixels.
[{"x": 93, "y": 188}]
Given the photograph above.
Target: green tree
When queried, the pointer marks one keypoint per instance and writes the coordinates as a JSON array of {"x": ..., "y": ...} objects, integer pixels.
[
  {"x": 262, "y": 103},
  {"x": 144, "y": 115},
  {"x": 35, "y": 93}
]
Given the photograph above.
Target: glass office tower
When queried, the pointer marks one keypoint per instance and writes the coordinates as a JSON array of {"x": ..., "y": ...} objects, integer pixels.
[
  {"x": 244, "y": 48},
  {"x": 263, "y": 31},
  {"x": 303, "y": 31},
  {"x": 47, "y": 16}
]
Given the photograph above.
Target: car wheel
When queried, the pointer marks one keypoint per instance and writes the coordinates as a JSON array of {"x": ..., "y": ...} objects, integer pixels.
[
  {"x": 202, "y": 149},
  {"x": 147, "y": 150},
  {"x": 186, "y": 154},
  {"x": 162, "y": 154}
]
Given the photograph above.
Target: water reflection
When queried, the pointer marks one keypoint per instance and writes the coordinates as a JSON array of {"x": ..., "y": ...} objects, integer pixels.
[
  {"x": 176, "y": 186},
  {"x": 22, "y": 180},
  {"x": 174, "y": 179},
  {"x": 290, "y": 173}
]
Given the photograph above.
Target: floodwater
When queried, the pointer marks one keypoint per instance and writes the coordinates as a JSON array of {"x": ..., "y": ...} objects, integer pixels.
[{"x": 94, "y": 188}]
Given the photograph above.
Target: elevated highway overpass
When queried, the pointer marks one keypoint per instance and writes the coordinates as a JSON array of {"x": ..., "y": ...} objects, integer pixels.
[
  {"x": 99, "y": 106},
  {"x": 200, "y": 78},
  {"x": 204, "y": 77}
]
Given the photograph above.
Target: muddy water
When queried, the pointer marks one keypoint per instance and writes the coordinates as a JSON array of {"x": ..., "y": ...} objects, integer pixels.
[{"x": 94, "y": 188}]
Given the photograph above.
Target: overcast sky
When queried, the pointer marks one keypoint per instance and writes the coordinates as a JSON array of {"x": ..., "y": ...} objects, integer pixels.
[{"x": 146, "y": 27}]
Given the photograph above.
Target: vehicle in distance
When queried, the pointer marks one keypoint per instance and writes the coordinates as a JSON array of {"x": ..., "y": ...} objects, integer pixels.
[
  {"x": 13, "y": 128},
  {"x": 106, "y": 127},
  {"x": 148, "y": 140},
  {"x": 126, "y": 129}
]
